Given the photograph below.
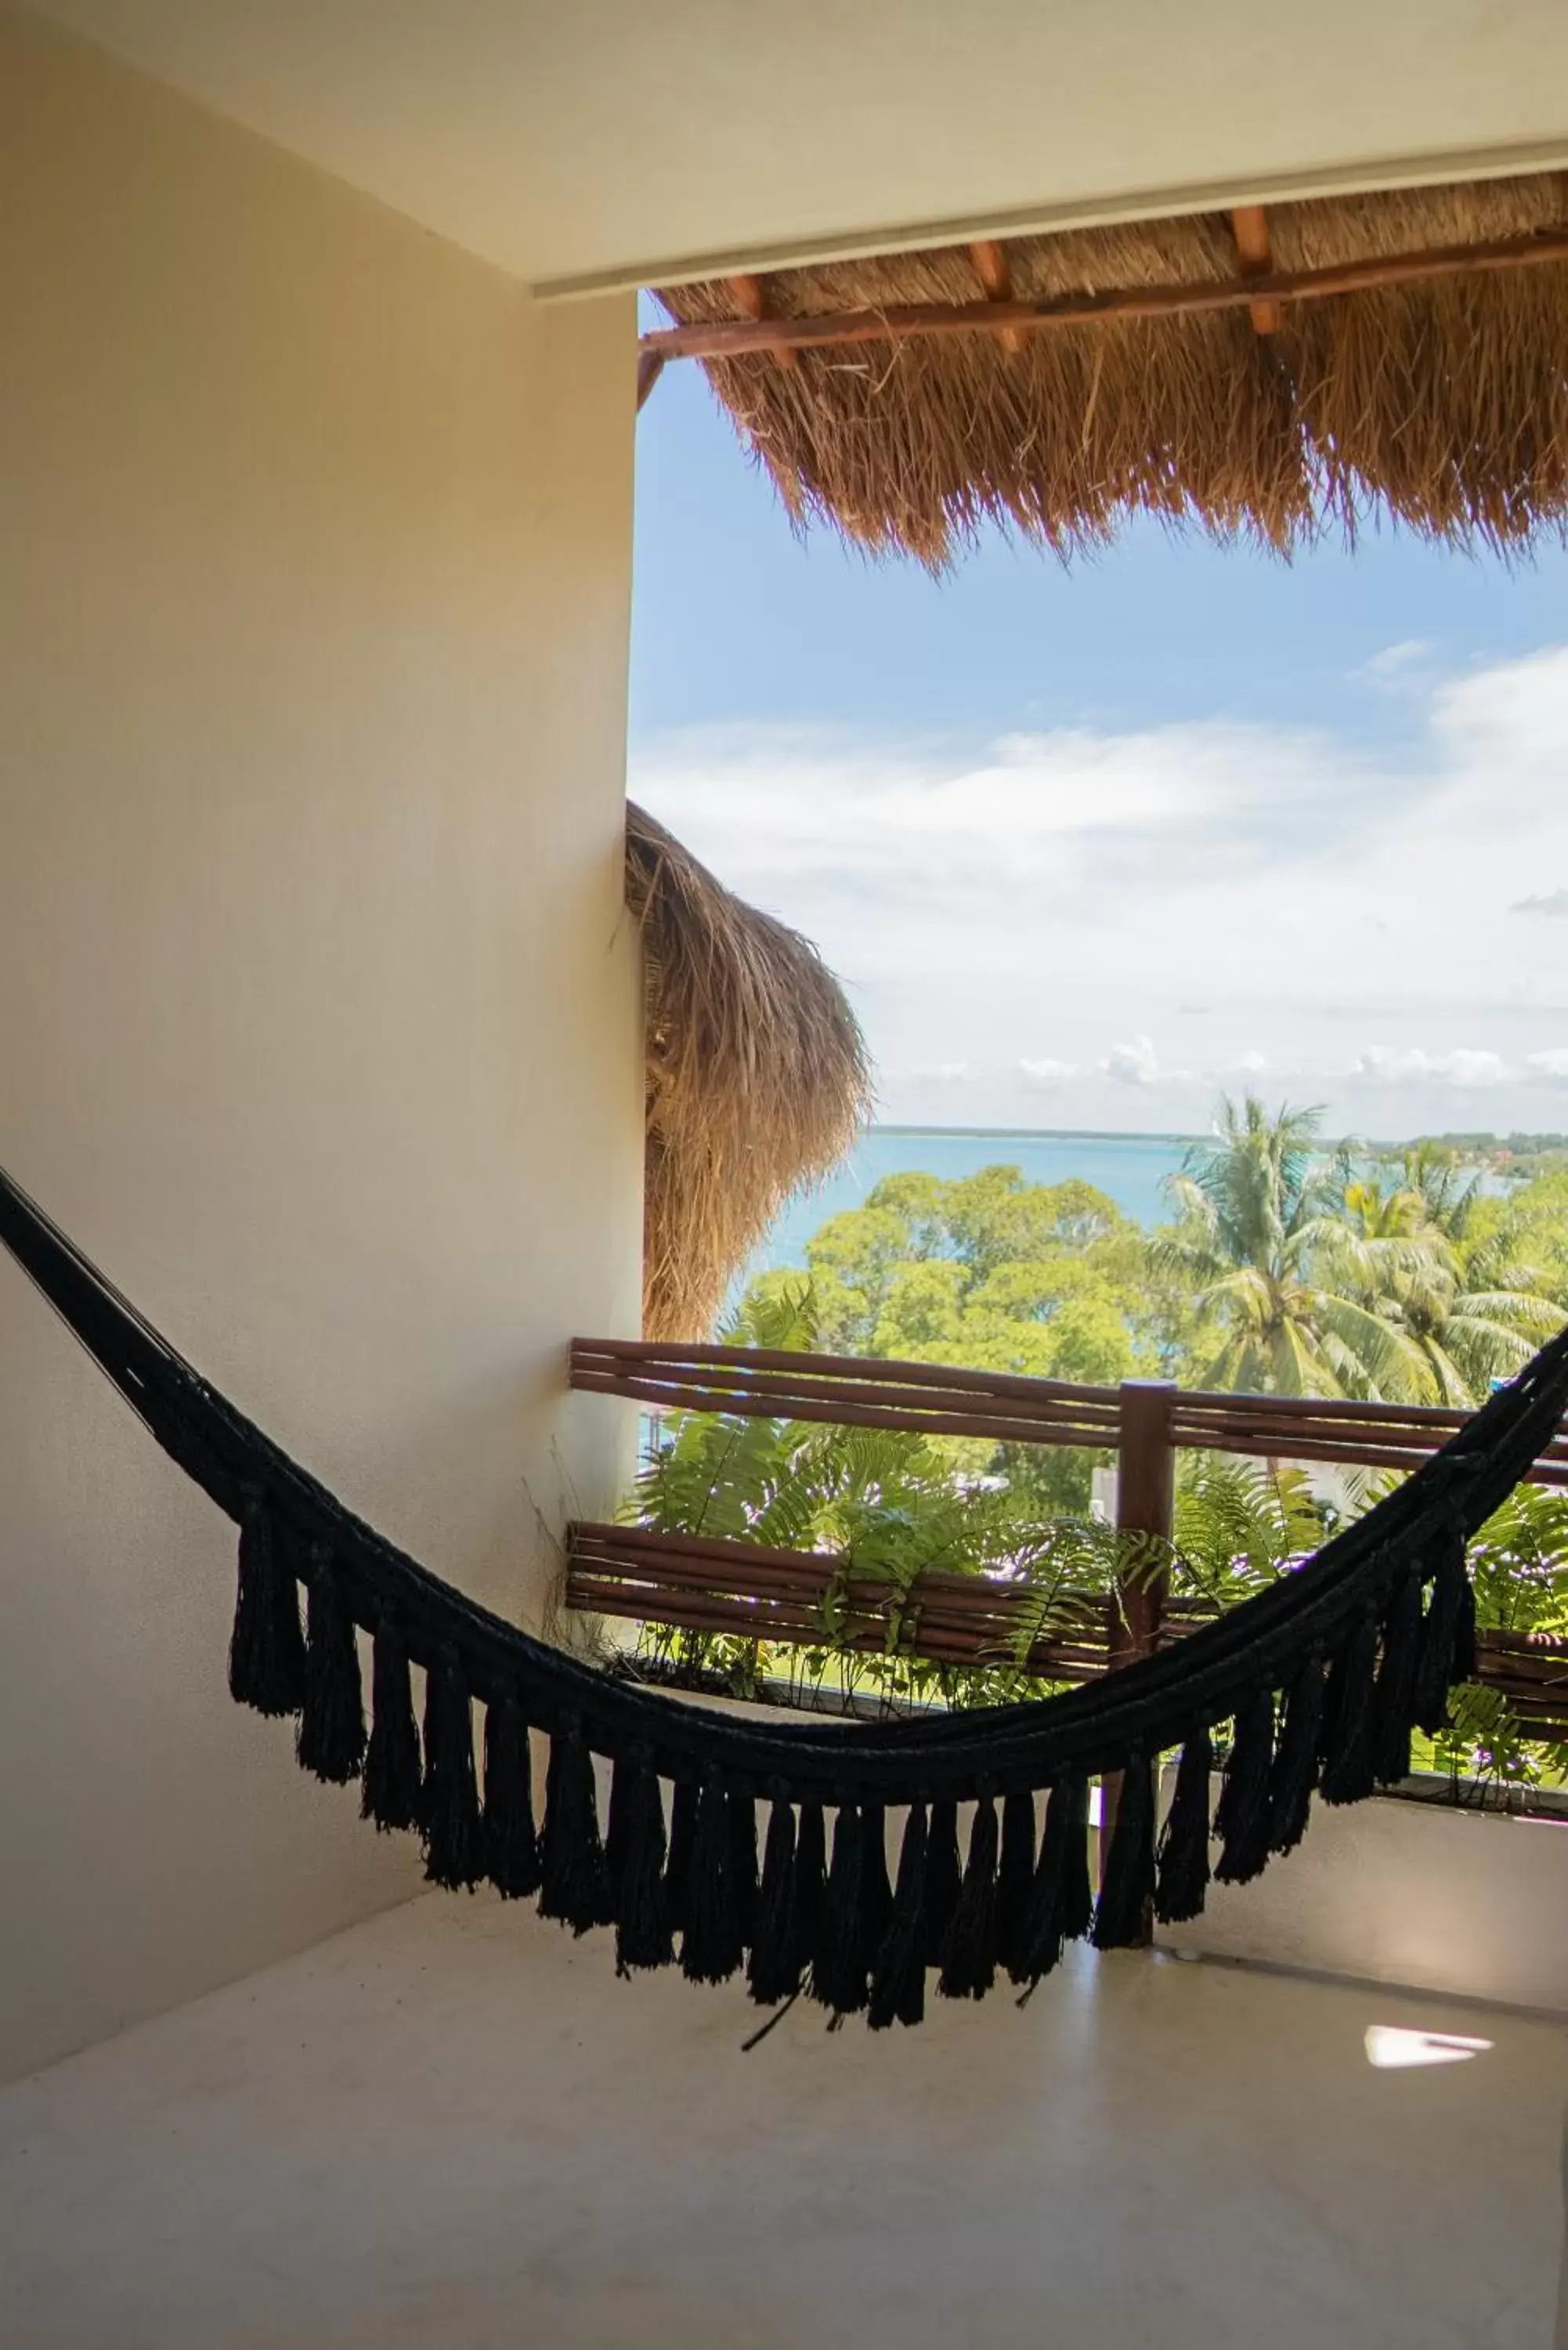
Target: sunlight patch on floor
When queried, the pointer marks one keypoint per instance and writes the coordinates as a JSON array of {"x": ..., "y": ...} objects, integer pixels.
[{"x": 1391, "y": 2048}]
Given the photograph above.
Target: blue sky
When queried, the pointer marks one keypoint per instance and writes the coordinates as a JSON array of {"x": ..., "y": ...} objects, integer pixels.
[{"x": 1089, "y": 845}]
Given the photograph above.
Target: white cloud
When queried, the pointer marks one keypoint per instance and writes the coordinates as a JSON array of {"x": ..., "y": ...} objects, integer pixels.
[
  {"x": 1301, "y": 889},
  {"x": 1554, "y": 902},
  {"x": 1136, "y": 1064},
  {"x": 941, "y": 1073},
  {"x": 1517, "y": 709},
  {"x": 1552, "y": 1066},
  {"x": 1394, "y": 659},
  {"x": 1464, "y": 1067}
]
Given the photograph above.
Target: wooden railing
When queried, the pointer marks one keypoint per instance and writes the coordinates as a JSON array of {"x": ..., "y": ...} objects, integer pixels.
[
  {"x": 855, "y": 1391},
  {"x": 782, "y": 1596},
  {"x": 790, "y": 1598}
]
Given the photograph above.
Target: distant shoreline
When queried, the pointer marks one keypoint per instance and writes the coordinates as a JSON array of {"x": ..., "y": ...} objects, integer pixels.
[
  {"x": 1133, "y": 1169},
  {"x": 1477, "y": 1148},
  {"x": 1038, "y": 1133}
]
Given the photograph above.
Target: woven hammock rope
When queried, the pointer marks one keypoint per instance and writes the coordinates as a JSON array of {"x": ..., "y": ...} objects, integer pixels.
[{"x": 1322, "y": 1678}]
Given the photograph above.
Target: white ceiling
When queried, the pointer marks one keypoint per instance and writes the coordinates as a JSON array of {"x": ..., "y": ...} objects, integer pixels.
[{"x": 586, "y": 142}]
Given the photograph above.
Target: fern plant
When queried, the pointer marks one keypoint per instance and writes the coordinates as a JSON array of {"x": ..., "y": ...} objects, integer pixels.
[
  {"x": 1238, "y": 1524},
  {"x": 1519, "y": 1564},
  {"x": 887, "y": 1506}
]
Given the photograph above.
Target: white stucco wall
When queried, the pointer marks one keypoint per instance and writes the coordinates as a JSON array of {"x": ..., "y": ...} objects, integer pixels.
[
  {"x": 1398, "y": 1892},
  {"x": 318, "y": 1012}
]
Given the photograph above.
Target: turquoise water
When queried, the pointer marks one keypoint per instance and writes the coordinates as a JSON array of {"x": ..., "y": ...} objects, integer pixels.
[{"x": 1129, "y": 1168}]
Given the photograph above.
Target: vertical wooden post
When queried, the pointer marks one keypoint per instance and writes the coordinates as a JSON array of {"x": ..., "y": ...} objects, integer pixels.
[
  {"x": 649, "y": 368},
  {"x": 753, "y": 296},
  {"x": 1145, "y": 1501},
  {"x": 994, "y": 271},
  {"x": 1251, "y": 225}
]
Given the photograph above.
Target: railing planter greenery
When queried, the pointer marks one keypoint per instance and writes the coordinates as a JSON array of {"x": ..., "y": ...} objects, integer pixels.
[
  {"x": 804, "y": 1600},
  {"x": 1001, "y": 1633}
]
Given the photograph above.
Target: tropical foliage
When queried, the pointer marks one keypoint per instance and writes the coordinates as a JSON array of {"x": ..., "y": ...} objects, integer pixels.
[
  {"x": 1289, "y": 1288},
  {"x": 1285, "y": 1266},
  {"x": 883, "y": 1503}
]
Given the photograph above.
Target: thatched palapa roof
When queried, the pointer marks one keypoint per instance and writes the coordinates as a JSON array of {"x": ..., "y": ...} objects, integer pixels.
[
  {"x": 1403, "y": 352},
  {"x": 757, "y": 1076}
]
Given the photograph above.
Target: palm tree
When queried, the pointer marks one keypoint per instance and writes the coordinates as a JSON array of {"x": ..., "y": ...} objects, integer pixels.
[
  {"x": 1378, "y": 1247},
  {"x": 1474, "y": 1313},
  {"x": 1376, "y": 1216},
  {"x": 1446, "y": 1191},
  {"x": 1467, "y": 1311},
  {"x": 1255, "y": 1222}
]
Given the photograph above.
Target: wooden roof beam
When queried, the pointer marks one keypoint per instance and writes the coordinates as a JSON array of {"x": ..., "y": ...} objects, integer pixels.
[
  {"x": 649, "y": 368},
  {"x": 739, "y": 337},
  {"x": 994, "y": 272},
  {"x": 1250, "y": 226},
  {"x": 751, "y": 295}
]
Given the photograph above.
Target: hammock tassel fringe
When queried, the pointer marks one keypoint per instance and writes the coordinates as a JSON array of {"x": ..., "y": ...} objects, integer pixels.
[{"x": 676, "y": 1873}]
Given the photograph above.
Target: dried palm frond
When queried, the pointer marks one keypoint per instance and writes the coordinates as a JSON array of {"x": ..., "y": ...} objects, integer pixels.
[{"x": 758, "y": 1078}]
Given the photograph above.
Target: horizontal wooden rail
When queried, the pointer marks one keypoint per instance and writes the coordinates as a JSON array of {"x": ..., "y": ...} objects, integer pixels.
[
  {"x": 901, "y": 321},
  {"x": 938, "y": 1399},
  {"x": 709, "y": 1355},
  {"x": 783, "y": 1596},
  {"x": 772, "y": 1595}
]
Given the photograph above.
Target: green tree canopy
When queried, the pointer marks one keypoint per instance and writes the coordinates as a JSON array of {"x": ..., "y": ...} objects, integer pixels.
[
  {"x": 1288, "y": 1266},
  {"x": 989, "y": 1270}
]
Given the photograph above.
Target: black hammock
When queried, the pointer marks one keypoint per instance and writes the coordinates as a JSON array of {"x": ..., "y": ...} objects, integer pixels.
[{"x": 1322, "y": 1678}]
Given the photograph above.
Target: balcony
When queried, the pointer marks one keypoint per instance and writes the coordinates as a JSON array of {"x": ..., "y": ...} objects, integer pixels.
[{"x": 453, "y": 2124}]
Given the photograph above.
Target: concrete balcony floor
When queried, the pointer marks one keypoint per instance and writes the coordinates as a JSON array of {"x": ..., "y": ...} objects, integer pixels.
[{"x": 453, "y": 2127}]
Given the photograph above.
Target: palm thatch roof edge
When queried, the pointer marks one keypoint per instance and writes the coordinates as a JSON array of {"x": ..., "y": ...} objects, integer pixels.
[
  {"x": 757, "y": 1076},
  {"x": 1439, "y": 401}
]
